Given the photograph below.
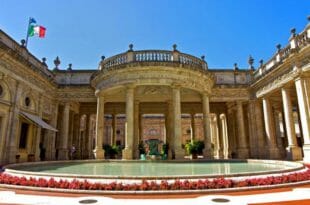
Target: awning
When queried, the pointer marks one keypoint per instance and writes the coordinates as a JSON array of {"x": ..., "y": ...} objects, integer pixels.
[{"x": 37, "y": 120}]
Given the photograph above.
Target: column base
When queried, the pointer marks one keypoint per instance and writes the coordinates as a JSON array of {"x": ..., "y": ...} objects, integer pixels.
[
  {"x": 293, "y": 153},
  {"x": 225, "y": 154},
  {"x": 218, "y": 154},
  {"x": 208, "y": 153},
  {"x": 171, "y": 154},
  {"x": 127, "y": 153},
  {"x": 274, "y": 153},
  {"x": 243, "y": 153},
  {"x": 11, "y": 156},
  {"x": 306, "y": 149},
  {"x": 63, "y": 154},
  {"x": 98, "y": 153},
  {"x": 179, "y": 154}
]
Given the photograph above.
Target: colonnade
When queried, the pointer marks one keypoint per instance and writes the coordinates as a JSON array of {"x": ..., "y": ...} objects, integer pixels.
[
  {"x": 173, "y": 125},
  {"x": 271, "y": 125}
]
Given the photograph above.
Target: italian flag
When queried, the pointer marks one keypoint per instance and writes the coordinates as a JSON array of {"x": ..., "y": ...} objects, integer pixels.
[{"x": 37, "y": 30}]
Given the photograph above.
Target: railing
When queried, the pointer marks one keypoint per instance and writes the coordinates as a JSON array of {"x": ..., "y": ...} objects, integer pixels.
[
  {"x": 153, "y": 56},
  {"x": 115, "y": 60},
  {"x": 296, "y": 43}
]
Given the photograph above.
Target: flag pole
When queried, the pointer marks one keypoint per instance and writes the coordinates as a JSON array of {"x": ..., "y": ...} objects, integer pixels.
[{"x": 27, "y": 36}]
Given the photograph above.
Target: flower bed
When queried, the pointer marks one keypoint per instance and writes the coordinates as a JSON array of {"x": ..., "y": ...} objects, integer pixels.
[{"x": 217, "y": 183}]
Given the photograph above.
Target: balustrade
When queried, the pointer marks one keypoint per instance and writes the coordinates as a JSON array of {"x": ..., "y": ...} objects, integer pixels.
[
  {"x": 301, "y": 40},
  {"x": 153, "y": 56}
]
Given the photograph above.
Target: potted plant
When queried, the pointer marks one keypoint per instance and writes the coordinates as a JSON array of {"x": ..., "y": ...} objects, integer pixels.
[{"x": 192, "y": 148}]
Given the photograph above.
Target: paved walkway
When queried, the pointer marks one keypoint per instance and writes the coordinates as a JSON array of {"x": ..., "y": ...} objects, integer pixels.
[{"x": 285, "y": 196}]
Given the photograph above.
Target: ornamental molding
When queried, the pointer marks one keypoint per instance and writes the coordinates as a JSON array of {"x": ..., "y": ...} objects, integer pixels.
[
  {"x": 278, "y": 82},
  {"x": 198, "y": 81},
  {"x": 78, "y": 94},
  {"x": 229, "y": 94},
  {"x": 31, "y": 79}
]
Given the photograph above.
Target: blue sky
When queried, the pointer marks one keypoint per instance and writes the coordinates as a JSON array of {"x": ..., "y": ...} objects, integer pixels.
[{"x": 226, "y": 31}]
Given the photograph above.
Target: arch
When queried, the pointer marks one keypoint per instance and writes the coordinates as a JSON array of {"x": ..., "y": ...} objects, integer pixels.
[
  {"x": 5, "y": 93},
  {"x": 28, "y": 102}
]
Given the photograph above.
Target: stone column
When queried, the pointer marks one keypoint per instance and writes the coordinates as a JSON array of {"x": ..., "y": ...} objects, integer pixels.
[
  {"x": 260, "y": 129},
  {"x": 215, "y": 136},
  {"x": 37, "y": 138},
  {"x": 207, "y": 152},
  {"x": 84, "y": 138},
  {"x": 177, "y": 129},
  {"x": 90, "y": 134},
  {"x": 99, "y": 152},
  {"x": 231, "y": 132},
  {"x": 63, "y": 148},
  {"x": 293, "y": 151},
  {"x": 76, "y": 134},
  {"x": 113, "y": 135},
  {"x": 169, "y": 129},
  {"x": 51, "y": 139},
  {"x": 253, "y": 148},
  {"x": 243, "y": 150},
  {"x": 270, "y": 130},
  {"x": 129, "y": 137},
  {"x": 136, "y": 130},
  {"x": 223, "y": 123},
  {"x": 279, "y": 134},
  {"x": 303, "y": 93},
  {"x": 13, "y": 126},
  {"x": 193, "y": 127}
]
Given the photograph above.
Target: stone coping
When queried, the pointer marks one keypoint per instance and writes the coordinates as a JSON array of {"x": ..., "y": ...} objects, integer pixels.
[
  {"x": 11, "y": 169},
  {"x": 158, "y": 192}
]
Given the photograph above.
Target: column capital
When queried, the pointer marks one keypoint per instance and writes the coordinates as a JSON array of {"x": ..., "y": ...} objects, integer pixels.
[
  {"x": 176, "y": 86},
  {"x": 99, "y": 93},
  {"x": 222, "y": 116},
  {"x": 130, "y": 86}
]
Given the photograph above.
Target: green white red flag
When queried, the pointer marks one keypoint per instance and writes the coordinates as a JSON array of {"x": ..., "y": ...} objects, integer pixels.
[{"x": 36, "y": 30}]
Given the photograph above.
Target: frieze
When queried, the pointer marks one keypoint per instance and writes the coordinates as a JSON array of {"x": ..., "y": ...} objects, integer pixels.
[
  {"x": 230, "y": 92},
  {"x": 78, "y": 94},
  {"x": 29, "y": 77},
  {"x": 164, "y": 76},
  {"x": 276, "y": 83}
]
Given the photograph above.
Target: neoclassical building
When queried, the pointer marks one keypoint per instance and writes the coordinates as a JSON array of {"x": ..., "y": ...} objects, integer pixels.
[{"x": 166, "y": 95}]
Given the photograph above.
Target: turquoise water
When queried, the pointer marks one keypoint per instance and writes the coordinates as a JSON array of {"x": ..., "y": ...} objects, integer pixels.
[{"x": 149, "y": 169}]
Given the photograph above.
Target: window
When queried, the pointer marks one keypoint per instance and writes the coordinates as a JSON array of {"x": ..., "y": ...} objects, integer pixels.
[
  {"x": 27, "y": 101},
  {"x": 23, "y": 135},
  {"x": 1, "y": 90}
]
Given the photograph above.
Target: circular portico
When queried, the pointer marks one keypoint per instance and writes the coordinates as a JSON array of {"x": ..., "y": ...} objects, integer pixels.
[{"x": 152, "y": 82}]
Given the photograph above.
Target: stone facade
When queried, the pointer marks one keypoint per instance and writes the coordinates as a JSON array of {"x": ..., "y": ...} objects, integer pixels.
[{"x": 165, "y": 95}]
